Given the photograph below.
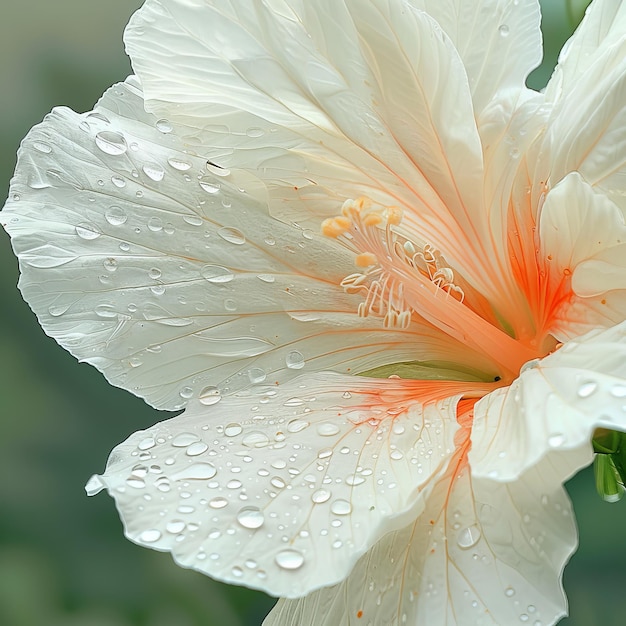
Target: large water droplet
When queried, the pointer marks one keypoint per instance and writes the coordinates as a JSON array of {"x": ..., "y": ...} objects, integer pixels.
[
  {"x": 43, "y": 147},
  {"x": 115, "y": 215},
  {"x": 111, "y": 142},
  {"x": 468, "y": 537},
  {"x": 209, "y": 395},
  {"x": 587, "y": 389},
  {"x": 175, "y": 526},
  {"x": 184, "y": 439},
  {"x": 232, "y": 235},
  {"x": 216, "y": 274},
  {"x": 341, "y": 507},
  {"x": 150, "y": 536},
  {"x": 327, "y": 429},
  {"x": 164, "y": 126},
  {"x": 294, "y": 360},
  {"x": 217, "y": 170},
  {"x": 196, "y": 471},
  {"x": 320, "y": 496},
  {"x": 218, "y": 503},
  {"x": 256, "y": 375},
  {"x": 87, "y": 231},
  {"x": 210, "y": 188},
  {"x": 297, "y": 425},
  {"x": 195, "y": 449},
  {"x": 154, "y": 172},
  {"x": 250, "y": 517},
  {"x": 233, "y": 429},
  {"x": 256, "y": 439},
  {"x": 177, "y": 164},
  {"x": 289, "y": 559}
]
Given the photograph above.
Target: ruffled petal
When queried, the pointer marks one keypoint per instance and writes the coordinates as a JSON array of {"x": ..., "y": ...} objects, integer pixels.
[
  {"x": 166, "y": 272},
  {"x": 583, "y": 250},
  {"x": 338, "y": 99},
  {"x": 482, "y": 553},
  {"x": 547, "y": 417},
  {"x": 284, "y": 487}
]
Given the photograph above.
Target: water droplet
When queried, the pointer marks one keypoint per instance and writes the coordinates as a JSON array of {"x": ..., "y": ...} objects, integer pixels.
[
  {"x": 509, "y": 592},
  {"x": 185, "y": 439},
  {"x": 150, "y": 536},
  {"x": 155, "y": 224},
  {"x": 324, "y": 453},
  {"x": 216, "y": 274},
  {"x": 504, "y": 30},
  {"x": 195, "y": 449},
  {"x": 43, "y": 147},
  {"x": 618, "y": 391},
  {"x": 320, "y": 496},
  {"x": 327, "y": 429},
  {"x": 211, "y": 188},
  {"x": 355, "y": 480},
  {"x": 56, "y": 310},
  {"x": 396, "y": 455},
  {"x": 256, "y": 375},
  {"x": 232, "y": 235},
  {"x": 154, "y": 172},
  {"x": 294, "y": 360},
  {"x": 193, "y": 220},
  {"x": 289, "y": 559},
  {"x": 106, "y": 311},
  {"x": 87, "y": 231},
  {"x": 118, "y": 181},
  {"x": 297, "y": 425},
  {"x": 277, "y": 482},
  {"x": 250, "y": 517},
  {"x": 341, "y": 507},
  {"x": 163, "y": 126},
  {"x": 556, "y": 440},
  {"x": 266, "y": 278},
  {"x": 94, "y": 485},
  {"x": 147, "y": 443},
  {"x": 196, "y": 471},
  {"x": 218, "y": 503},
  {"x": 111, "y": 142},
  {"x": 115, "y": 216},
  {"x": 587, "y": 388},
  {"x": 468, "y": 537},
  {"x": 209, "y": 395},
  {"x": 256, "y": 439},
  {"x": 175, "y": 526},
  {"x": 217, "y": 170},
  {"x": 233, "y": 429},
  {"x": 154, "y": 273},
  {"x": 177, "y": 164}
]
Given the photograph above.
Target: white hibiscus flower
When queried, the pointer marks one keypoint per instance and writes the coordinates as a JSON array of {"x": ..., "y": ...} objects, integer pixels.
[{"x": 385, "y": 279}]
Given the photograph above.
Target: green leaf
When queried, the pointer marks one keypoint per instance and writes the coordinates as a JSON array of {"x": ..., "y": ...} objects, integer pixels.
[{"x": 608, "y": 480}]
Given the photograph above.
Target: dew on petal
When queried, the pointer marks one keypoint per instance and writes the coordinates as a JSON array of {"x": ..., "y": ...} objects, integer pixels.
[
  {"x": 178, "y": 164},
  {"x": 294, "y": 360},
  {"x": 216, "y": 274},
  {"x": 341, "y": 507},
  {"x": 250, "y": 517},
  {"x": 184, "y": 439},
  {"x": 232, "y": 235},
  {"x": 175, "y": 527},
  {"x": 255, "y": 439},
  {"x": 163, "y": 126},
  {"x": 327, "y": 429},
  {"x": 87, "y": 231},
  {"x": 111, "y": 142},
  {"x": 289, "y": 559},
  {"x": 468, "y": 537},
  {"x": 209, "y": 395},
  {"x": 210, "y": 188},
  {"x": 218, "y": 503},
  {"x": 556, "y": 440},
  {"x": 320, "y": 496},
  {"x": 150, "y": 536},
  {"x": 233, "y": 429},
  {"x": 154, "y": 172},
  {"x": 196, "y": 471},
  {"x": 256, "y": 375},
  {"x": 587, "y": 389}
]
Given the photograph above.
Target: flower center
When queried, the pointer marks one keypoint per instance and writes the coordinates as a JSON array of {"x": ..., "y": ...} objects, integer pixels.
[{"x": 401, "y": 279}]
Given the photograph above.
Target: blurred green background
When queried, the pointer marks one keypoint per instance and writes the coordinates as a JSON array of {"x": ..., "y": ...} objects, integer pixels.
[{"x": 63, "y": 558}]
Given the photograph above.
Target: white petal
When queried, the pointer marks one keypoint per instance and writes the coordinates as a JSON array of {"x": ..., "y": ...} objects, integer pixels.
[
  {"x": 351, "y": 98},
  {"x": 499, "y": 42},
  {"x": 284, "y": 487},
  {"x": 159, "y": 270},
  {"x": 548, "y": 415},
  {"x": 482, "y": 553},
  {"x": 583, "y": 235},
  {"x": 588, "y": 90}
]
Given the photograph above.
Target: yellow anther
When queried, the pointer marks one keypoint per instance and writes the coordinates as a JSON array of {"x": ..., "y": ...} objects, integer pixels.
[
  {"x": 366, "y": 259},
  {"x": 372, "y": 219},
  {"x": 394, "y": 215},
  {"x": 335, "y": 226}
]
